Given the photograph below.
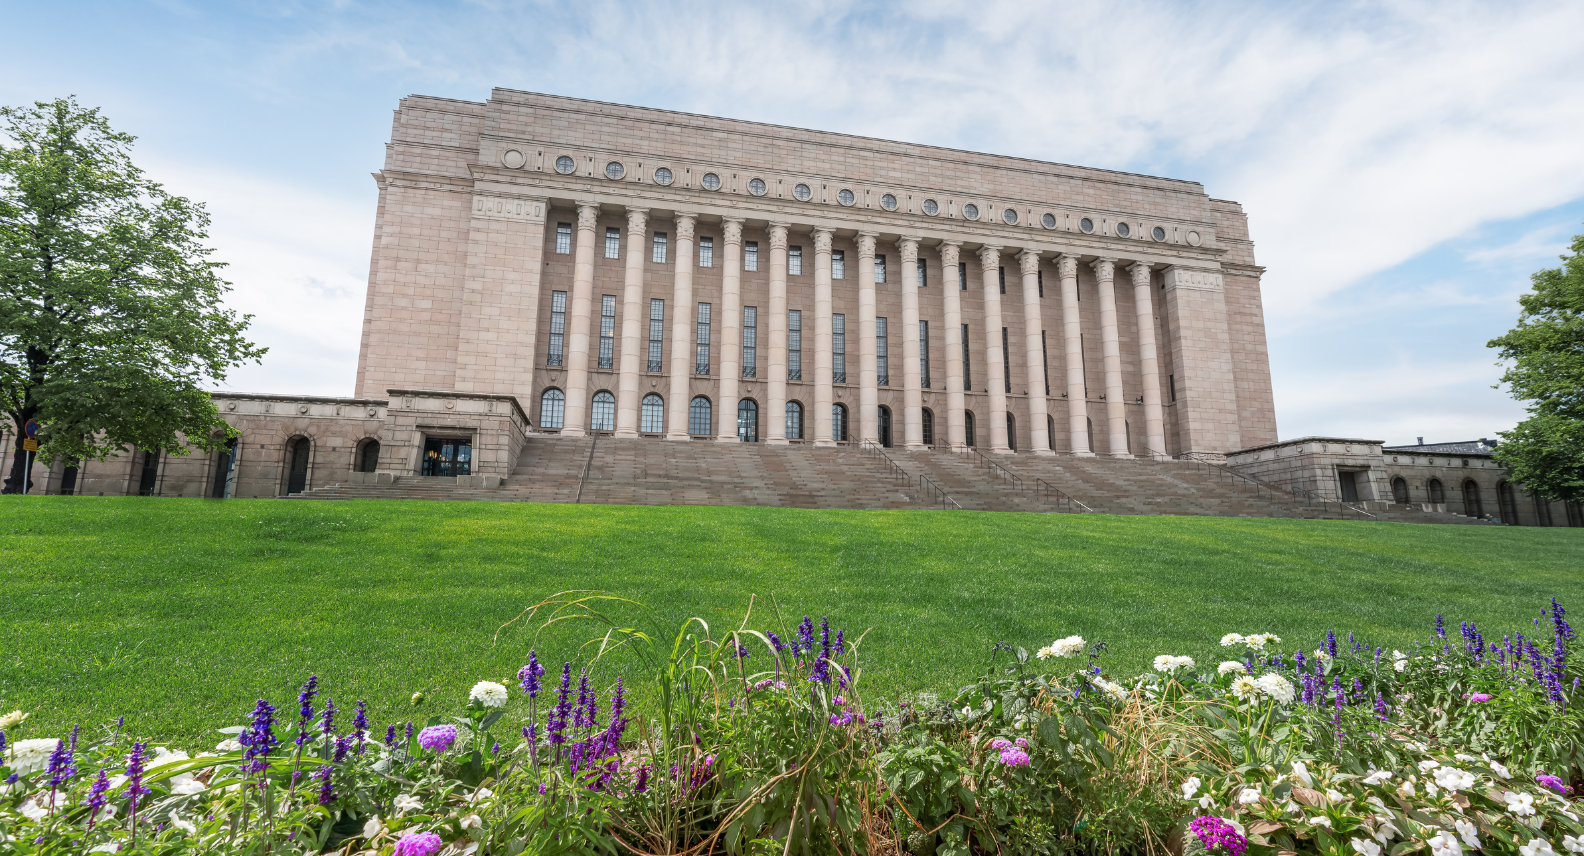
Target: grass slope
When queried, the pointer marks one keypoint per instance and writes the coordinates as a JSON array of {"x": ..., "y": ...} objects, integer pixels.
[{"x": 180, "y": 613}]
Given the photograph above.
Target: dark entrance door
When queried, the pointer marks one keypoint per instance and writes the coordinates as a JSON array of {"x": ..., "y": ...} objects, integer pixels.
[
  {"x": 297, "y": 478},
  {"x": 148, "y": 480},
  {"x": 222, "y": 473},
  {"x": 448, "y": 456},
  {"x": 885, "y": 426},
  {"x": 1349, "y": 486},
  {"x": 68, "y": 485}
]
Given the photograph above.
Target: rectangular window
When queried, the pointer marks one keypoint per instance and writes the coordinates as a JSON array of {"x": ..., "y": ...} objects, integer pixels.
[
  {"x": 612, "y": 242},
  {"x": 751, "y": 255},
  {"x": 962, "y": 276},
  {"x": 882, "y": 364},
  {"x": 563, "y": 237},
  {"x": 1006, "y": 361},
  {"x": 557, "y": 327},
  {"x": 967, "y": 362},
  {"x": 1045, "y": 361},
  {"x": 1083, "y": 365},
  {"x": 1171, "y": 384},
  {"x": 794, "y": 261},
  {"x": 839, "y": 348},
  {"x": 658, "y": 253},
  {"x": 706, "y": 252},
  {"x": 880, "y": 269},
  {"x": 795, "y": 345},
  {"x": 924, "y": 378},
  {"x": 701, "y": 364},
  {"x": 656, "y": 333},
  {"x": 1039, "y": 277},
  {"x": 1002, "y": 273},
  {"x": 607, "y": 345},
  {"x": 750, "y": 342},
  {"x": 923, "y": 274},
  {"x": 838, "y": 264}
]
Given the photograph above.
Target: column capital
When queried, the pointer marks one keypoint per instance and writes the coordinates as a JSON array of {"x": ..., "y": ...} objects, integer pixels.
[
  {"x": 685, "y": 224},
  {"x": 822, "y": 239},
  {"x": 1067, "y": 265},
  {"x": 588, "y": 214},
  {"x": 1103, "y": 267},
  {"x": 866, "y": 244},
  {"x": 1140, "y": 272},
  {"x": 778, "y": 235},
  {"x": 948, "y": 251},
  {"x": 637, "y": 218},
  {"x": 989, "y": 256},
  {"x": 1028, "y": 260},
  {"x": 733, "y": 227},
  {"x": 908, "y": 246}
]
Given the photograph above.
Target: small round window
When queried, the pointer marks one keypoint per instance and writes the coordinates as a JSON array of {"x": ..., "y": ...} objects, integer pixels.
[
  {"x": 971, "y": 211},
  {"x": 888, "y": 202},
  {"x": 614, "y": 169},
  {"x": 663, "y": 176},
  {"x": 711, "y": 181},
  {"x": 1009, "y": 216},
  {"x": 846, "y": 197},
  {"x": 1124, "y": 230},
  {"x": 1159, "y": 233},
  {"x": 1086, "y": 224},
  {"x": 931, "y": 207},
  {"x": 565, "y": 164},
  {"x": 1049, "y": 221},
  {"x": 756, "y": 187},
  {"x": 803, "y": 193}
]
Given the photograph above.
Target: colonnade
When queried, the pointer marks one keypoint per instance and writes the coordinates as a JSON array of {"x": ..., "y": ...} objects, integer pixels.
[{"x": 580, "y": 320}]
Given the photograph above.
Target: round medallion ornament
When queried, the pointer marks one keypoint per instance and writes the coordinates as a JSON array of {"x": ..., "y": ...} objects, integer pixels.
[
  {"x": 1124, "y": 230},
  {"x": 614, "y": 170},
  {"x": 757, "y": 187},
  {"x": 1193, "y": 239},
  {"x": 1158, "y": 233},
  {"x": 565, "y": 164},
  {"x": 1086, "y": 225},
  {"x": 803, "y": 193},
  {"x": 711, "y": 181},
  {"x": 662, "y": 176},
  {"x": 1009, "y": 216},
  {"x": 931, "y": 207},
  {"x": 846, "y": 197},
  {"x": 513, "y": 159},
  {"x": 971, "y": 211},
  {"x": 888, "y": 202},
  {"x": 1048, "y": 221}
]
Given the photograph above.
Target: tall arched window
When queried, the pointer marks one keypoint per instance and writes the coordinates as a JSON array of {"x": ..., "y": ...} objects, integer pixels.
[
  {"x": 1399, "y": 490},
  {"x": 368, "y": 456},
  {"x": 653, "y": 420},
  {"x": 839, "y": 422},
  {"x": 748, "y": 421},
  {"x": 1011, "y": 433},
  {"x": 885, "y": 426},
  {"x": 1505, "y": 498},
  {"x": 968, "y": 428},
  {"x": 1436, "y": 491},
  {"x": 699, "y": 416},
  {"x": 929, "y": 427},
  {"x": 297, "y": 465},
  {"x": 552, "y": 407},
  {"x": 602, "y": 416},
  {"x": 794, "y": 420},
  {"x": 1471, "y": 499},
  {"x": 1542, "y": 510}
]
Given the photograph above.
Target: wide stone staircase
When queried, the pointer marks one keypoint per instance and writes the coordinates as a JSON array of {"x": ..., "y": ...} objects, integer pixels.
[{"x": 606, "y": 470}]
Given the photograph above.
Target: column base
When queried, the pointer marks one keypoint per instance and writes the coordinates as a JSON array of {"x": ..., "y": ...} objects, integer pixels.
[
  {"x": 777, "y": 441},
  {"x": 725, "y": 438},
  {"x": 679, "y": 436},
  {"x": 1002, "y": 450},
  {"x": 825, "y": 444},
  {"x": 1083, "y": 453},
  {"x": 916, "y": 447},
  {"x": 626, "y": 434},
  {"x": 573, "y": 432},
  {"x": 1123, "y": 455},
  {"x": 1044, "y": 453},
  {"x": 1160, "y": 457}
]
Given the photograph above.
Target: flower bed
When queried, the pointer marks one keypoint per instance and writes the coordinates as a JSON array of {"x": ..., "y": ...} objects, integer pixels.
[{"x": 758, "y": 741}]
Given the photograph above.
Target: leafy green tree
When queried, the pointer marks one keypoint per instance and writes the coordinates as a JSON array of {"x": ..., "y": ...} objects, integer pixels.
[
  {"x": 110, "y": 315},
  {"x": 1545, "y": 352}
]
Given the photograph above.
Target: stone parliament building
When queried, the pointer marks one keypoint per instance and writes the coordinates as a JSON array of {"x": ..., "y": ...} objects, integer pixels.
[{"x": 577, "y": 301}]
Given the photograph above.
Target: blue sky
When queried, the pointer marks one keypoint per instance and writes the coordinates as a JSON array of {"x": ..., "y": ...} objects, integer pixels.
[{"x": 1405, "y": 166}]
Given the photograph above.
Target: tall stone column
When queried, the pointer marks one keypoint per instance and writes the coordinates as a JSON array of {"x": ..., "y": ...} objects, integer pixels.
[
  {"x": 681, "y": 326},
  {"x": 1072, "y": 334},
  {"x": 951, "y": 299},
  {"x": 1034, "y": 348},
  {"x": 824, "y": 364},
  {"x": 632, "y": 321},
  {"x": 731, "y": 333},
  {"x": 776, "y": 380},
  {"x": 1111, "y": 353},
  {"x": 995, "y": 369},
  {"x": 577, "y": 353},
  {"x": 868, "y": 372},
  {"x": 912, "y": 395},
  {"x": 1149, "y": 366}
]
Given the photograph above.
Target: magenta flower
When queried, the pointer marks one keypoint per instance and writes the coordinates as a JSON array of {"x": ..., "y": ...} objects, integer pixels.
[
  {"x": 1554, "y": 783},
  {"x": 1000, "y": 743},
  {"x": 1012, "y": 756},
  {"x": 1479, "y": 697},
  {"x": 437, "y": 738},
  {"x": 1218, "y": 836},
  {"x": 418, "y": 844}
]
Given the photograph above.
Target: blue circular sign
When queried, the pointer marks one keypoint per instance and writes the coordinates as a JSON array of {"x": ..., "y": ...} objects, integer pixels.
[{"x": 30, "y": 428}]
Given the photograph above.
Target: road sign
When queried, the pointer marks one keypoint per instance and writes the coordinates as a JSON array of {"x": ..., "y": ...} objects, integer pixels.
[
  {"x": 30, "y": 428},
  {"x": 30, "y": 445}
]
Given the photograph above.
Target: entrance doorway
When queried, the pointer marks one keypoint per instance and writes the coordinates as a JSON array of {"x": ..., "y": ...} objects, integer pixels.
[
  {"x": 224, "y": 474},
  {"x": 1349, "y": 486},
  {"x": 885, "y": 426},
  {"x": 297, "y": 476},
  {"x": 448, "y": 456}
]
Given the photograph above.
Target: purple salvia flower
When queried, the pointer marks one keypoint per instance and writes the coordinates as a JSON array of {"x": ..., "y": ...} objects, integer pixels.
[
  {"x": 259, "y": 737},
  {"x": 1563, "y": 629},
  {"x": 2, "y": 741},
  {"x": 495, "y": 750},
  {"x": 556, "y": 721},
  {"x": 327, "y": 719},
  {"x": 775, "y": 641},
  {"x": 343, "y": 747},
  {"x": 1331, "y": 643},
  {"x": 134, "y": 774},
  {"x": 1298, "y": 658},
  {"x": 528, "y": 676},
  {"x": 1440, "y": 627},
  {"x": 325, "y": 775},
  {"x": 61, "y": 768},
  {"x": 390, "y": 735},
  {"x": 96, "y": 797},
  {"x": 305, "y": 708},
  {"x": 409, "y": 731},
  {"x": 360, "y": 725},
  {"x": 1381, "y": 711},
  {"x": 585, "y": 701}
]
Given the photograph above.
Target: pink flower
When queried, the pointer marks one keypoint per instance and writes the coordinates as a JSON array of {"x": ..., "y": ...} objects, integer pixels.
[
  {"x": 437, "y": 738},
  {"x": 1012, "y": 756},
  {"x": 417, "y": 844},
  {"x": 1000, "y": 743},
  {"x": 1478, "y": 697}
]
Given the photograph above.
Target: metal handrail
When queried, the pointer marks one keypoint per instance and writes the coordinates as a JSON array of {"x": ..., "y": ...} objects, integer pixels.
[
  {"x": 938, "y": 494},
  {"x": 873, "y": 448},
  {"x": 587, "y": 465},
  {"x": 1003, "y": 472},
  {"x": 1305, "y": 495},
  {"x": 1045, "y": 489}
]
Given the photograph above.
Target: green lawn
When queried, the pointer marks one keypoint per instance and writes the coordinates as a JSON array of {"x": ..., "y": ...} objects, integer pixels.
[{"x": 180, "y": 613}]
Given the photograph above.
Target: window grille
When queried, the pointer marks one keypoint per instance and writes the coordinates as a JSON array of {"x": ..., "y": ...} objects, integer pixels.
[
  {"x": 653, "y": 418},
  {"x": 839, "y": 348},
  {"x": 602, "y": 416},
  {"x": 924, "y": 376},
  {"x": 838, "y": 264},
  {"x": 563, "y": 237},
  {"x": 552, "y": 408},
  {"x": 703, "y": 340},
  {"x": 1002, "y": 273},
  {"x": 839, "y": 423},
  {"x": 794, "y": 420},
  {"x": 706, "y": 252},
  {"x": 1045, "y": 361},
  {"x": 612, "y": 242},
  {"x": 962, "y": 276},
  {"x": 795, "y": 345},
  {"x": 967, "y": 363},
  {"x": 751, "y": 255},
  {"x": 607, "y": 340},
  {"x": 880, "y": 269},
  {"x": 1039, "y": 278},
  {"x": 882, "y": 364},
  {"x": 929, "y": 427},
  {"x": 748, "y": 421},
  {"x": 1006, "y": 361},
  {"x": 657, "y": 253},
  {"x": 794, "y": 261},
  {"x": 699, "y": 418},
  {"x": 656, "y": 333},
  {"x": 750, "y": 342},
  {"x": 557, "y": 327},
  {"x": 923, "y": 274}
]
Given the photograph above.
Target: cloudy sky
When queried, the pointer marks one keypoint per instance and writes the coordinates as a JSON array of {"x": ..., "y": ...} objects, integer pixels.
[{"x": 1405, "y": 166}]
